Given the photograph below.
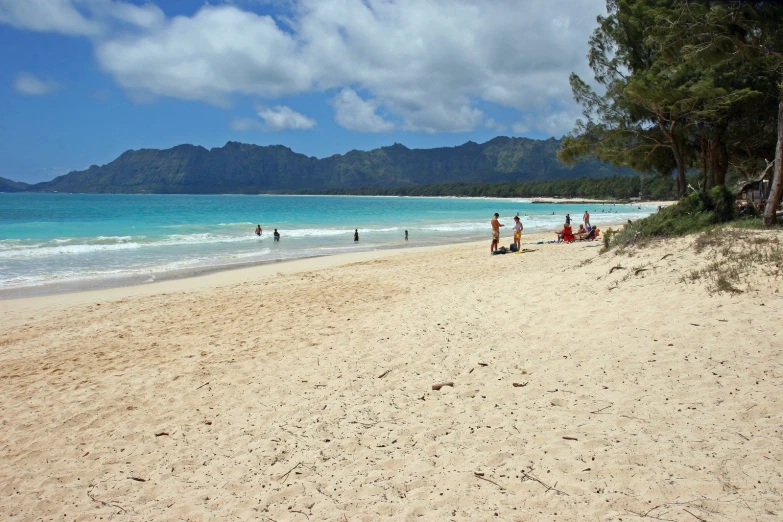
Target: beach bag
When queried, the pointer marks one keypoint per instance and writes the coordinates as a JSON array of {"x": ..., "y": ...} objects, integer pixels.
[{"x": 513, "y": 247}]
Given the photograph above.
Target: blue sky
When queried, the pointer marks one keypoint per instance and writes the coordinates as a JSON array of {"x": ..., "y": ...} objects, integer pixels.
[{"x": 84, "y": 80}]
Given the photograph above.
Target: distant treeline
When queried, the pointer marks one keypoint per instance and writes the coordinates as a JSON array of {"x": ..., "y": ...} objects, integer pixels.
[{"x": 619, "y": 187}]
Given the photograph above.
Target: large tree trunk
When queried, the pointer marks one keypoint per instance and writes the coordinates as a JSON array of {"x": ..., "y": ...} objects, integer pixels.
[
  {"x": 770, "y": 219},
  {"x": 723, "y": 165},
  {"x": 682, "y": 183},
  {"x": 717, "y": 156},
  {"x": 703, "y": 154}
]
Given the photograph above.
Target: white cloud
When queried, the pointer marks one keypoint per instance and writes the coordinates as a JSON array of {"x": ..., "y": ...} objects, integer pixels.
[
  {"x": 219, "y": 51},
  {"x": 59, "y": 16},
  {"x": 356, "y": 114},
  {"x": 281, "y": 117},
  {"x": 429, "y": 64},
  {"x": 275, "y": 118},
  {"x": 555, "y": 122},
  {"x": 78, "y": 17},
  {"x": 30, "y": 85}
]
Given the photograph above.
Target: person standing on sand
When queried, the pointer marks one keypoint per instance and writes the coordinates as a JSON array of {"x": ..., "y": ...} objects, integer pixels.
[
  {"x": 518, "y": 232},
  {"x": 258, "y": 230},
  {"x": 495, "y": 233},
  {"x": 587, "y": 218},
  {"x": 406, "y": 235},
  {"x": 356, "y": 235},
  {"x": 277, "y": 235}
]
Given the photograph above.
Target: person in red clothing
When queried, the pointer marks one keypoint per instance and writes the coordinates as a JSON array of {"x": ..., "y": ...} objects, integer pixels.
[{"x": 566, "y": 234}]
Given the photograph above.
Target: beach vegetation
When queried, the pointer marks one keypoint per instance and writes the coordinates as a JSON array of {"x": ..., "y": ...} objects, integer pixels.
[
  {"x": 617, "y": 188},
  {"x": 686, "y": 87},
  {"x": 734, "y": 253},
  {"x": 697, "y": 212}
]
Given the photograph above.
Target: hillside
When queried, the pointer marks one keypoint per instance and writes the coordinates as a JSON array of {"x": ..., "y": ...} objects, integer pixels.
[
  {"x": 243, "y": 168},
  {"x": 6, "y": 185}
]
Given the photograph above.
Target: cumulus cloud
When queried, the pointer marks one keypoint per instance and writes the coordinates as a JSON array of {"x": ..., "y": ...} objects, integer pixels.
[
  {"x": 356, "y": 114},
  {"x": 276, "y": 118},
  {"x": 555, "y": 122},
  {"x": 428, "y": 65},
  {"x": 281, "y": 117},
  {"x": 30, "y": 85},
  {"x": 59, "y": 16},
  {"x": 90, "y": 18},
  {"x": 219, "y": 51}
]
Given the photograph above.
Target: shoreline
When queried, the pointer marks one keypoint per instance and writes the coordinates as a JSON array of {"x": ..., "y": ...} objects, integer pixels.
[
  {"x": 144, "y": 280},
  {"x": 220, "y": 277},
  {"x": 577, "y": 201}
]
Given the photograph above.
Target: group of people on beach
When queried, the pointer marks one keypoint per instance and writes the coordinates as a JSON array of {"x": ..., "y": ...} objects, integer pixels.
[
  {"x": 585, "y": 231},
  {"x": 496, "y": 233},
  {"x": 566, "y": 234}
]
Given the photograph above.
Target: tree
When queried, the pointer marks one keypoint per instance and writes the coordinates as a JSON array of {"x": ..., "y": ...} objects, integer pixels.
[
  {"x": 664, "y": 110},
  {"x": 633, "y": 123},
  {"x": 748, "y": 32}
]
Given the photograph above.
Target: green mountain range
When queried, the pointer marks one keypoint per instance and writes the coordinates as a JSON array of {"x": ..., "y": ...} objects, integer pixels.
[
  {"x": 243, "y": 168},
  {"x": 6, "y": 185}
]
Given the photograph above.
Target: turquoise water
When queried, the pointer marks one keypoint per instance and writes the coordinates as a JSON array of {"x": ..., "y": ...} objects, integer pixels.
[{"x": 62, "y": 242}]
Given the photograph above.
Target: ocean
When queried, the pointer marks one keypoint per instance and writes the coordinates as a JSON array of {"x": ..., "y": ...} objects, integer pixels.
[{"x": 52, "y": 243}]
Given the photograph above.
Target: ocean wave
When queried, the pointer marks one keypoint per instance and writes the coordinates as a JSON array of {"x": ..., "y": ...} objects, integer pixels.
[
  {"x": 67, "y": 276},
  {"x": 456, "y": 227},
  {"x": 112, "y": 243},
  {"x": 315, "y": 232},
  {"x": 46, "y": 251},
  {"x": 113, "y": 239},
  {"x": 370, "y": 230},
  {"x": 244, "y": 224}
]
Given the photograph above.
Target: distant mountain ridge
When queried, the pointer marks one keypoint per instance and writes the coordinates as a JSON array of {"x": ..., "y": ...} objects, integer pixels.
[
  {"x": 7, "y": 185},
  {"x": 243, "y": 168}
]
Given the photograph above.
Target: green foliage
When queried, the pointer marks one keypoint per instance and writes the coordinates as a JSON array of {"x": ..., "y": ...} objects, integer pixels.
[
  {"x": 617, "y": 187},
  {"x": 677, "y": 94},
  {"x": 243, "y": 168},
  {"x": 696, "y": 212}
]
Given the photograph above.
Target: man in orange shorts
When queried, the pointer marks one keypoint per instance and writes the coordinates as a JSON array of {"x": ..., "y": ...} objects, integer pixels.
[{"x": 495, "y": 233}]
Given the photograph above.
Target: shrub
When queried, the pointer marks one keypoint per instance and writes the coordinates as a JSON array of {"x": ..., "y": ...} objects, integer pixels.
[{"x": 697, "y": 211}]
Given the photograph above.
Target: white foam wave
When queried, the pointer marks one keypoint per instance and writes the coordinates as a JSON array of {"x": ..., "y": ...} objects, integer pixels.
[
  {"x": 65, "y": 276},
  {"x": 315, "y": 232},
  {"x": 45, "y": 251},
  {"x": 457, "y": 227},
  {"x": 105, "y": 244},
  {"x": 390, "y": 229}
]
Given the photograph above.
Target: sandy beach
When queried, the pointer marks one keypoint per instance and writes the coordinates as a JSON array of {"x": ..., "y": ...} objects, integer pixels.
[
  {"x": 589, "y": 201},
  {"x": 577, "y": 390}
]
